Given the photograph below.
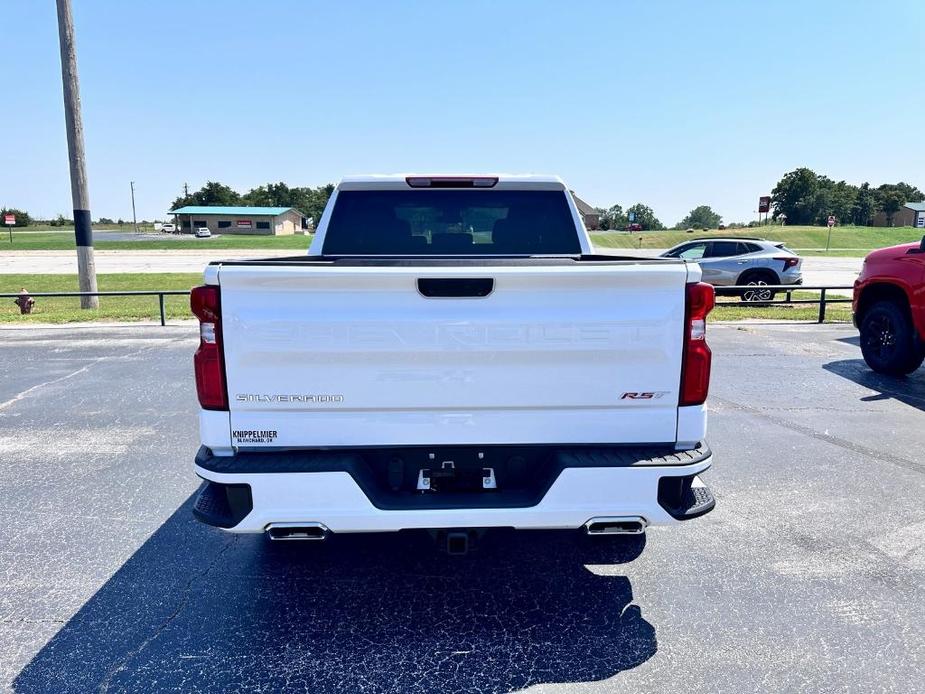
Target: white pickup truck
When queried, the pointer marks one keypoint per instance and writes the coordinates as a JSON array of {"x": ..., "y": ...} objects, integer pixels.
[{"x": 451, "y": 355}]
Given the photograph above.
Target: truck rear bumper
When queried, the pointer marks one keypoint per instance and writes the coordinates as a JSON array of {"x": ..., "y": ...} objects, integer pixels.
[{"x": 247, "y": 496}]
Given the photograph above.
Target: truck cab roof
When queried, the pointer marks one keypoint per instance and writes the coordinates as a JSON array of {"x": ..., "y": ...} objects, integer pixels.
[
  {"x": 403, "y": 181},
  {"x": 450, "y": 214}
]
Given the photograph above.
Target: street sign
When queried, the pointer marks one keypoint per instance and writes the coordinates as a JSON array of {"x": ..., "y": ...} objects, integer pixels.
[
  {"x": 828, "y": 240},
  {"x": 9, "y": 219},
  {"x": 631, "y": 216},
  {"x": 764, "y": 204}
]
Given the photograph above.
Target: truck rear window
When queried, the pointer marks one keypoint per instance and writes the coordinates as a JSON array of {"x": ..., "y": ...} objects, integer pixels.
[{"x": 451, "y": 222}]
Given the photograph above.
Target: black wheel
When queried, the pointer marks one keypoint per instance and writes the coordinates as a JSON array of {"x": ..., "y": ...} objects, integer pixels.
[
  {"x": 887, "y": 340},
  {"x": 757, "y": 283}
]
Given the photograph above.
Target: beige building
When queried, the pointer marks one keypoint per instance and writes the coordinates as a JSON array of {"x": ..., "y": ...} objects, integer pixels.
[
  {"x": 912, "y": 214},
  {"x": 265, "y": 221}
]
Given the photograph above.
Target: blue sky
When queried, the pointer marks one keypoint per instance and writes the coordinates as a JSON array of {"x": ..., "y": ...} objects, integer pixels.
[{"x": 674, "y": 104}]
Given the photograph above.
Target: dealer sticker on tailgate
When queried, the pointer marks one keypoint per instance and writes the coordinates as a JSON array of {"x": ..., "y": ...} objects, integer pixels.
[{"x": 249, "y": 436}]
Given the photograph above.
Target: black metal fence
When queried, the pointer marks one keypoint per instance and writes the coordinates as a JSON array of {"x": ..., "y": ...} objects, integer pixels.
[
  {"x": 160, "y": 294},
  {"x": 755, "y": 292},
  {"x": 741, "y": 291}
]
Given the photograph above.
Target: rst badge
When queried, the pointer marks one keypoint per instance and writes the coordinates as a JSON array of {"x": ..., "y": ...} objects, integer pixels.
[{"x": 648, "y": 395}]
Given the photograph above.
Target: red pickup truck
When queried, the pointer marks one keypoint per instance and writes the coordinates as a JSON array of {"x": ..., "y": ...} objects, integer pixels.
[{"x": 889, "y": 308}]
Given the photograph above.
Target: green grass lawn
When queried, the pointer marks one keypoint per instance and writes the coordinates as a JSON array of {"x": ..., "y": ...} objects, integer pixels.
[
  {"x": 834, "y": 313},
  {"x": 64, "y": 240},
  {"x": 67, "y": 309},
  {"x": 121, "y": 308},
  {"x": 852, "y": 240}
]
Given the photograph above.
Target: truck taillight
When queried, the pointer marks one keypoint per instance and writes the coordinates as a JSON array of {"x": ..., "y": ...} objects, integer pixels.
[
  {"x": 205, "y": 302},
  {"x": 695, "y": 366}
]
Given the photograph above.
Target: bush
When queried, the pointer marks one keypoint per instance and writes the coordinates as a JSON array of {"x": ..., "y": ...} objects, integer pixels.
[
  {"x": 61, "y": 221},
  {"x": 22, "y": 217}
]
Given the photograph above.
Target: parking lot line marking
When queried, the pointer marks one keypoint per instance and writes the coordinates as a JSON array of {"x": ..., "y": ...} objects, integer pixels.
[{"x": 19, "y": 396}]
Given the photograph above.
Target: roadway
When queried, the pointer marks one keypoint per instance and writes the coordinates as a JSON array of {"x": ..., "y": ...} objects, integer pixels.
[{"x": 816, "y": 270}]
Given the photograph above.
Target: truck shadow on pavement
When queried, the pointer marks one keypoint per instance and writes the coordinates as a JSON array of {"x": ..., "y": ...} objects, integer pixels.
[
  {"x": 195, "y": 609},
  {"x": 909, "y": 390}
]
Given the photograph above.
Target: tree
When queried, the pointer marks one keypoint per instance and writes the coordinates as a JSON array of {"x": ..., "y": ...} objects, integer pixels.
[
  {"x": 797, "y": 195},
  {"x": 907, "y": 192},
  {"x": 808, "y": 198},
  {"x": 645, "y": 217},
  {"x": 212, "y": 193},
  {"x": 311, "y": 201},
  {"x": 865, "y": 205},
  {"x": 22, "y": 217},
  {"x": 891, "y": 202},
  {"x": 701, "y": 217},
  {"x": 612, "y": 218},
  {"x": 270, "y": 195},
  {"x": 837, "y": 199}
]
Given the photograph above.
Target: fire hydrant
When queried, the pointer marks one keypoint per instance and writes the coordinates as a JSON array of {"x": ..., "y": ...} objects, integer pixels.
[{"x": 25, "y": 302}]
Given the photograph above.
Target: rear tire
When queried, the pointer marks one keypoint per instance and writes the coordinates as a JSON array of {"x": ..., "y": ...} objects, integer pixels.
[
  {"x": 757, "y": 279},
  {"x": 888, "y": 340}
]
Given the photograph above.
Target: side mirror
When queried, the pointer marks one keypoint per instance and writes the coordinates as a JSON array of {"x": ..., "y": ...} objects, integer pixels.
[{"x": 920, "y": 249}]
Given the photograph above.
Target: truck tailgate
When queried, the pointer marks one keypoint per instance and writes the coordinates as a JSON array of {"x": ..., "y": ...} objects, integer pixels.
[{"x": 329, "y": 355}]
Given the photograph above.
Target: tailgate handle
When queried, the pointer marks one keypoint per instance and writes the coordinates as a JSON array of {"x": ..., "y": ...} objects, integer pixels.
[{"x": 455, "y": 287}]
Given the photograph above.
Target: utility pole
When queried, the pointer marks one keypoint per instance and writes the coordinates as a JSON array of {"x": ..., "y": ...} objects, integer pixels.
[
  {"x": 134, "y": 219},
  {"x": 80, "y": 195}
]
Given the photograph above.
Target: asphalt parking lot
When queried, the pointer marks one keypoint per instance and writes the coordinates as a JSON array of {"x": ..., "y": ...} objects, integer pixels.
[{"x": 809, "y": 575}]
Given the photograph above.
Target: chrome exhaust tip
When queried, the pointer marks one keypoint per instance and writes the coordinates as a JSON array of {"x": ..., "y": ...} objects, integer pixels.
[
  {"x": 297, "y": 531},
  {"x": 616, "y": 525}
]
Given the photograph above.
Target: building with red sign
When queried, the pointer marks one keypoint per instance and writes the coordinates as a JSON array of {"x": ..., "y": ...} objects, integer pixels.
[{"x": 264, "y": 221}]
